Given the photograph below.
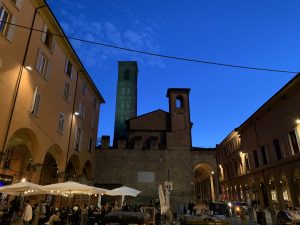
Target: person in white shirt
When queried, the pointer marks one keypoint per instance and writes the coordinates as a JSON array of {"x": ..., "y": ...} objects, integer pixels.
[{"x": 27, "y": 213}]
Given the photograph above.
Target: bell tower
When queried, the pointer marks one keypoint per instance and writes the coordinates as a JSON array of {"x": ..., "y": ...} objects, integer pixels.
[
  {"x": 126, "y": 102},
  {"x": 179, "y": 136}
]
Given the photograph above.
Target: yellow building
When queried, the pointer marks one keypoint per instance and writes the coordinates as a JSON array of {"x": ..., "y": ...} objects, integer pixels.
[
  {"x": 259, "y": 162},
  {"x": 49, "y": 104}
]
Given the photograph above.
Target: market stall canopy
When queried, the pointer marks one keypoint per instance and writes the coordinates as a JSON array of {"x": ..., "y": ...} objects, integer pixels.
[
  {"x": 23, "y": 188},
  {"x": 123, "y": 191},
  {"x": 71, "y": 187}
]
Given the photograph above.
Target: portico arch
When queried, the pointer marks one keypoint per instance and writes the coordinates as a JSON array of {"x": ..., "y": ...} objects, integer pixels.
[
  {"x": 53, "y": 163},
  {"x": 18, "y": 157},
  {"x": 204, "y": 182},
  {"x": 73, "y": 168}
]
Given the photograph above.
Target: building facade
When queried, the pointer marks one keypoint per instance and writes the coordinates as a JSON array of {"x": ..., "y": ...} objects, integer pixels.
[
  {"x": 49, "y": 104},
  {"x": 157, "y": 149},
  {"x": 259, "y": 162}
]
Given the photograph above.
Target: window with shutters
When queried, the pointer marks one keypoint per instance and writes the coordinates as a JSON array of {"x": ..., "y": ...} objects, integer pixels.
[
  {"x": 81, "y": 109},
  {"x": 66, "y": 91},
  {"x": 294, "y": 142},
  {"x": 78, "y": 135},
  {"x": 18, "y": 4},
  {"x": 36, "y": 98},
  {"x": 47, "y": 38},
  {"x": 7, "y": 21},
  {"x": 43, "y": 65},
  {"x": 61, "y": 121},
  {"x": 264, "y": 155},
  {"x": 68, "y": 68},
  {"x": 255, "y": 156},
  {"x": 277, "y": 148}
]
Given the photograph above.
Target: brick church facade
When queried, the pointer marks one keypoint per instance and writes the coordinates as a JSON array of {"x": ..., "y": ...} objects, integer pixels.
[{"x": 156, "y": 147}]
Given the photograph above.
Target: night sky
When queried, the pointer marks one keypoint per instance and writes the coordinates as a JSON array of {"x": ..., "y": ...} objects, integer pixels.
[{"x": 250, "y": 33}]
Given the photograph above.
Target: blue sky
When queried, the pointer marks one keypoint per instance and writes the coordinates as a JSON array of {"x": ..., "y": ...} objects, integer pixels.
[{"x": 250, "y": 33}]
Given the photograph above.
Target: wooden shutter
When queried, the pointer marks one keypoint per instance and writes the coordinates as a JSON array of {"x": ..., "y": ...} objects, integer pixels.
[
  {"x": 38, "y": 61},
  {"x": 11, "y": 29},
  {"x": 33, "y": 99},
  {"x": 48, "y": 70},
  {"x": 44, "y": 34},
  {"x": 19, "y": 4},
  {"x": 66, "y": 65}
]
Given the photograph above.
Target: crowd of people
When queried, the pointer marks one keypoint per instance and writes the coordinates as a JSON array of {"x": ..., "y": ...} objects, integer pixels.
[{"x": 44, "y": 213}]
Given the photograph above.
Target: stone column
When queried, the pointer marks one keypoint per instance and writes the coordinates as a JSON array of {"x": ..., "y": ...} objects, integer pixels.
[
  {"x": 279, "y": 193},
  {"x": 212, "y": 188},
  {"x": 293, "y": 191}
]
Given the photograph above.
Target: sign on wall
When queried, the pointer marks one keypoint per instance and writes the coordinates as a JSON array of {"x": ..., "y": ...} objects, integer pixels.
[{"x": 146, "y": 177}]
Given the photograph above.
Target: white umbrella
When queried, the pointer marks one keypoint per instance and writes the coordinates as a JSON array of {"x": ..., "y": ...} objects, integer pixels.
[
  {"x": 23, "y": 188},
  {"x": 123, "y": 191},
  {"x": 71, "y": 187}
]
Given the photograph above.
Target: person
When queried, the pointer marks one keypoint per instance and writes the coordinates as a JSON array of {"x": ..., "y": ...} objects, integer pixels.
[
  {"x": 27, "y": 213},
  {"x": 54, "y": 219},
  {"x": 76, "y": 215},
  {"x": 37, "y": 213},
  {"x": 243, "y": 215},
  {"x": 84, "y": 215},
  {"x": 43, "y": 212}
]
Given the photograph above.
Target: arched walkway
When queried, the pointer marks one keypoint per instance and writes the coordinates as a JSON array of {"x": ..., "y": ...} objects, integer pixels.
[
  {"x": 205, "y": 182},
  {"x": 18, "y": 157},
  {"x": 73, "y": 168}
]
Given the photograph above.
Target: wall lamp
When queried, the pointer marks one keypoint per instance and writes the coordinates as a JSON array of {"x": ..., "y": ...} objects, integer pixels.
[
  {"x": 297, "y": 121},
  {"x": 76, "y": 113},
  {"x": 28, "y": 67}
]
